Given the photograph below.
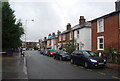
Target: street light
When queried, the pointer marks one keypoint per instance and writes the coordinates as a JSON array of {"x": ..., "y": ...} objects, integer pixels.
[{"x": 26, "y": 31}]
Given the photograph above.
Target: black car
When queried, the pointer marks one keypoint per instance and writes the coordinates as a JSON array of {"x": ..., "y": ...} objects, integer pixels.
[
  {"x": 62, "y": 55},
  {"x": 87, "y": 59}
]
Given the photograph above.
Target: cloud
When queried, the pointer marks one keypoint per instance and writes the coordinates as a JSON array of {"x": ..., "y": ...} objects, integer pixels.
[{"x": 52, "y": 15}]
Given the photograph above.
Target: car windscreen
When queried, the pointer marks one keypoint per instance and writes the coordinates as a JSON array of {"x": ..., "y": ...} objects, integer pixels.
[{"x": 88, "y": 53}]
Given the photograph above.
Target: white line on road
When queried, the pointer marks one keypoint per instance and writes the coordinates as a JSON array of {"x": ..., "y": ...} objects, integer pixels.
[
  {"x": 115, "y": 77},
  {"x": 90, "y": 70},
  {"x": 101, "y": 73},
  {"x": 25, "y": 68}
]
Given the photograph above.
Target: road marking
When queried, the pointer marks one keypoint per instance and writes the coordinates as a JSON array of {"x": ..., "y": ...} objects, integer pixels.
[
  {"x": 115, "y": 77},
  {"x": 81, "y": 67},
  {"x": 101, "y": 73},
  {"x": 90, "y": 70},
  {"x": 25, "y": 68}
]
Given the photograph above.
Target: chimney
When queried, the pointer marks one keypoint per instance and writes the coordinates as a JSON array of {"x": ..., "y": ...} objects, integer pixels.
[
  {"x": 53, "y": 34},
  {"x": 49, "y": 35},
  {"x": 117, "y": 5},
  {"x": 58, "y": 32},
  {"x": 68, "y": 26},
  {"x": 81, "y": 20},
  {"x": 45, "y": 38}
]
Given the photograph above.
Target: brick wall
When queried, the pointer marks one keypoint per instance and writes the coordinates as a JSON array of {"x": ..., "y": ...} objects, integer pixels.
[{"x": 110, "y": 32}]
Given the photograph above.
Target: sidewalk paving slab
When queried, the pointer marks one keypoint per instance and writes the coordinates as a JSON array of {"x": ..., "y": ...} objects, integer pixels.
[{"x": 13, "y": 67}]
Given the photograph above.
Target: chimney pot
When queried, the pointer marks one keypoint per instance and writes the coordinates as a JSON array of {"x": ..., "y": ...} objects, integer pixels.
[
  {"x": 81, "y": 20},
  {"x": 53, "y": 34},
  {"x": 58, "y": 32},
  {"x": 117, "y": 5},
  {"x": 68, "y": 26}
]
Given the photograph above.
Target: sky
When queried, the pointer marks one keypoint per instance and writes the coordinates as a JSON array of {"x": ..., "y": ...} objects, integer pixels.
[{"x": 52, "y": 15}]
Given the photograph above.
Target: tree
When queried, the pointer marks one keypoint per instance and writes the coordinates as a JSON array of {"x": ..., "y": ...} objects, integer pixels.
[
  {"x": 69, "y": 46},
  {"x": 11, "y": 30}
]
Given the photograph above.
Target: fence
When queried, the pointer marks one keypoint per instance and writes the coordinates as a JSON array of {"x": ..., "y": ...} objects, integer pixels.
[{"x": 111, "y": 58}]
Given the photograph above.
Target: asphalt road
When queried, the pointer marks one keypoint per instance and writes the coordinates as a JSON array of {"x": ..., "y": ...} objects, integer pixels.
[{"x": 44, "y": 67}]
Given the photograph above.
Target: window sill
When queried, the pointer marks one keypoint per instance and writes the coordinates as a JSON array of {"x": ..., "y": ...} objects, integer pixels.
[
  {"x": 100, "y": 49},
  {"x": 100, "y": 32}
]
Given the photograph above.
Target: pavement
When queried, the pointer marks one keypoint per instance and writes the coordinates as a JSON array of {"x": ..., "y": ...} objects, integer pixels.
[{"x": 14, "y": 67}]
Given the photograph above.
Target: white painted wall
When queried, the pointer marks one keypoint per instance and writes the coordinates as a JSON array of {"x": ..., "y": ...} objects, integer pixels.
[{"x": 84, "y": 37}]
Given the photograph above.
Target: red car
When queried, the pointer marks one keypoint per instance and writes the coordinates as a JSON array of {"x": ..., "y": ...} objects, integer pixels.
[{"x": 51, "y": 52}]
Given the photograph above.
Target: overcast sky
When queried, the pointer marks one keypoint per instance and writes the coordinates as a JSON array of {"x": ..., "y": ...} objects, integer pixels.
[{"x": 52, "y": 15}]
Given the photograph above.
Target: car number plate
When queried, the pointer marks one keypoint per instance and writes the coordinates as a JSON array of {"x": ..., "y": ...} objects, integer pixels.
[{"x": 100, "y": 63}]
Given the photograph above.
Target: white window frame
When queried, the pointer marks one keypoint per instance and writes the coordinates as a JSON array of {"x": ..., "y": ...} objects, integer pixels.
[
  {"x": 60, "y": 38},
  {"x": 70, "y": 35},
  {"x": 64, "y": 37},
  {"x": 78, "y": 34},
  {"x": 100, "y": 26},
  {"x": 98, "y": 43}
]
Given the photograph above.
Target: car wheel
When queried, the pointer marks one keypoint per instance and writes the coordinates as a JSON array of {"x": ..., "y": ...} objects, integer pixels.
[
  {"x": 61, "y": 59},
  {"x": 86, "y": 65},
  {"x": 71, "y": 61}
]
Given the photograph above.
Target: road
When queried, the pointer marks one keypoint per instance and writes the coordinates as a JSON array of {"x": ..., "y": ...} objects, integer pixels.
[{"x": 44, "y": 67}]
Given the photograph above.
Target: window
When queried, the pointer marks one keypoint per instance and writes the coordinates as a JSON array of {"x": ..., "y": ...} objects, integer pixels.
[
  {"x": 100, "y": 25},
  {"x": 77, "y": 33},
  {"x": 100, "y": 43},
  {"x": 63, "y": 37},
  {"x": 77, "y": 46},
  {"x": 60, "y": 38},
  {"x": 70, "y": 35}
]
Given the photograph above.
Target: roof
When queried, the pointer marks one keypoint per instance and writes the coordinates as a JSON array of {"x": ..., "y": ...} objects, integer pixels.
[
  {"x": 85, "y": 25},
  {"x": 107, "y": 15}
]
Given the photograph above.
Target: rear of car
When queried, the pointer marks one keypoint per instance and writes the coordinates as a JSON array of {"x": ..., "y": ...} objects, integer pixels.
[
  {"x": 51, "y": 52},
  {"x": 62, "y": 55}
]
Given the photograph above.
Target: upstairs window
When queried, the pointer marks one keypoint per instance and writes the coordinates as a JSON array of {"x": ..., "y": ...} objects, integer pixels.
[
  {"x": 64, "y": 37},
  {"x": 77, "y": 33},
  {"x": 70, "y": 35},
  {"x": 60, "y": 38},
  {"x": 100, "y": 25}
]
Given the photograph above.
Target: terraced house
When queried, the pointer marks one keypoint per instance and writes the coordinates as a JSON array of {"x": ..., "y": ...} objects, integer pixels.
[
  {"x": 82, "y": 34},
  {"x": 106, "y": 31}
]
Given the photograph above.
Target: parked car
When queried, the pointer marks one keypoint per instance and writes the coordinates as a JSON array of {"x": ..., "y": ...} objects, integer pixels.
[
  {"x": 62, "y": 55},
  {"x": 51, "y": 52},
  {"x": 42, "y": 51},
  {"x": 87, "y": 58}
]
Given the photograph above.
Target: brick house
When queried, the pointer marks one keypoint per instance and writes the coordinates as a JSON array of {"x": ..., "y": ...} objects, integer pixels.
[
  {"x": 29, "y": 45},
  {"x": 49, "y": 41},
  {"x": 65, "y": 36},
  {"x": 106, "y": 31}
]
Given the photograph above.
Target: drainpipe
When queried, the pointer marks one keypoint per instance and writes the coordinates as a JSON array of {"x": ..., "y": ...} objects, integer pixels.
[{"x": 119, "y": 33}]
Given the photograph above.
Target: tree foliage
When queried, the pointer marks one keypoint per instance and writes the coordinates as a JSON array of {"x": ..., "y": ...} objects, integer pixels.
[
  {"x": 69, "y": 46},
  {"x": 11, "y": 30}
]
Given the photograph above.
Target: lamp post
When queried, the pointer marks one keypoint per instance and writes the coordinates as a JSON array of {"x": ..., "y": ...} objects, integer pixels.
[{"x": 26, "y": 32}]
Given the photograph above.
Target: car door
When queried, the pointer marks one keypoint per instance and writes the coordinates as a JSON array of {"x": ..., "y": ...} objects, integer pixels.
[
  {"x": 79, "y": 57},
  {"x": 74, "y": 56}
]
